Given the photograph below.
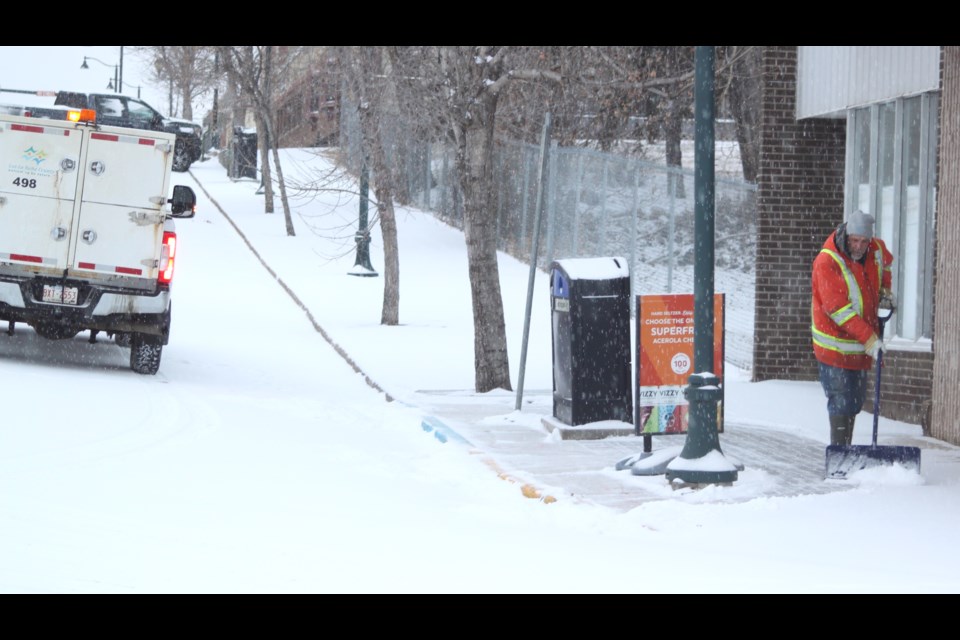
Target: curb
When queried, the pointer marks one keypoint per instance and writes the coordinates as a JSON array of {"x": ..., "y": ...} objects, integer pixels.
[{"x": 444, "y": 434}]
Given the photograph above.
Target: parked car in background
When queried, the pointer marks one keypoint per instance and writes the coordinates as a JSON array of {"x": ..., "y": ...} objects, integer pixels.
[
  {"x": 118, "y": 110},
  {"x": 113, "y": 109},
  {"x": 190, "y": 132}
]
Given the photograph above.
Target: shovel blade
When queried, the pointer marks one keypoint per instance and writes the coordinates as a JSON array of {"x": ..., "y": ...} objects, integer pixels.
[{"x": 842, "y": 460}]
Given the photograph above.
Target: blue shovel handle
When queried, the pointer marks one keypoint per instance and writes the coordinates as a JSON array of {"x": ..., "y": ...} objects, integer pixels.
[{"x": 882, "y": 319}]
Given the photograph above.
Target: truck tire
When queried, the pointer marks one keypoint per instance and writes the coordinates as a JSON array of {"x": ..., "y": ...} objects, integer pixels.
[
  {"x": 145, "y": 351},
  {"x": 181, "y": 156}
]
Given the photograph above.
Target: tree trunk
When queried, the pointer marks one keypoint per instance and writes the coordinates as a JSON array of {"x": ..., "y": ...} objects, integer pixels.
[
  {"x": 387, "y": 190},
  {"x": 266, "y": 178},
  {"x": 272, "y": 143},
  {"x": 745, "y": 105},
  {"x": 187, "y": 109},
  {"x": 377, "y": 101},
  {"x": 265, "y": 109},
  {"x": 673, "y": 134},
  {"x": 390, "y": 314},
  {"x": 474, "y": 159},
  {"x": 287, "y": 218}
]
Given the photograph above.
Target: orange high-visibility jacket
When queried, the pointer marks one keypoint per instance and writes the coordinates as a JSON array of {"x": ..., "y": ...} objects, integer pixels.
[{"x": 846, "y": 300}]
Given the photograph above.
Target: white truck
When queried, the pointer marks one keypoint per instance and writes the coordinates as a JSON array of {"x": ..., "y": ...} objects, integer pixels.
[{"x": 87, "y": 237}]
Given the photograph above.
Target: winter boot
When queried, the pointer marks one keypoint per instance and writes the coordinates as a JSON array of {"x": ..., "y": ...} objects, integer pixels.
[
  {"x": 851, "y": 420},
  {"x": 841, "y": 430}
]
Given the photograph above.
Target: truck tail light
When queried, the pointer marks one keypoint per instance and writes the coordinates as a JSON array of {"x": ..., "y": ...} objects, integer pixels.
[{"x": 168, "y": 254}]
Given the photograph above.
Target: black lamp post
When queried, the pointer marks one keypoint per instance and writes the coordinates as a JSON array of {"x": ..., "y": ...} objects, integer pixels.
[
  {"x": 362, "y": 266},
  {"x": 116, "y": 86}
]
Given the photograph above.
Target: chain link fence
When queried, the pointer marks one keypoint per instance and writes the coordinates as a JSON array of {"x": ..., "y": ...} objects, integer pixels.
[{"x": 596, "y": 204}]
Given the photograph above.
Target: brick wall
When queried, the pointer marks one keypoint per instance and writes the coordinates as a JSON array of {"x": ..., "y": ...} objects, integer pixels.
[
  {"x": 800, "y": 201},
  {"x": 905, "y": 387},
  {"x": 945, "y": 422}
]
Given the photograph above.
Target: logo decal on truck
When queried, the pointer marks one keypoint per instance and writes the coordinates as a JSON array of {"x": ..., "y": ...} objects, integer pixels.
[
  {"x": 34, "y": 158},
  {"x": 37, "y": 156}
]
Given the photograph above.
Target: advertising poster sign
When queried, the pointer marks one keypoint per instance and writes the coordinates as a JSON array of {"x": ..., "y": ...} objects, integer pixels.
[{"x": 665, "y": 361}]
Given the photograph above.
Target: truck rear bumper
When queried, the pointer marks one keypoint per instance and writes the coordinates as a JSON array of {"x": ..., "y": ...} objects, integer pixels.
[{"x": 110, "y": 311}]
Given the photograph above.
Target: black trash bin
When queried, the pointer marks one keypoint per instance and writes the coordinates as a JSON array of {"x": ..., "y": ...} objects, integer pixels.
[
  {"x": 244, "y": 153},
  {"x": 590, "y": 299}
]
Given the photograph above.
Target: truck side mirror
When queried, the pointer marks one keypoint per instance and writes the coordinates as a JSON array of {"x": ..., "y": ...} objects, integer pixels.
[{"x": 183, "y": 204}]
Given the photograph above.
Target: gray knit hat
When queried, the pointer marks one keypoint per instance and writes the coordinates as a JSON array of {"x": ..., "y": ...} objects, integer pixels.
[{"x": 860, "y": 224}]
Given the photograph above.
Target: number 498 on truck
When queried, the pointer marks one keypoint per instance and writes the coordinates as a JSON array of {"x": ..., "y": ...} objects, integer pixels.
[{"x": 87, "y": 234}]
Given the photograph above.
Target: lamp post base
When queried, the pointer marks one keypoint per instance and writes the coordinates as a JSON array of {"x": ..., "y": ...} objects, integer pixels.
[{"x": 360, "y": 270}]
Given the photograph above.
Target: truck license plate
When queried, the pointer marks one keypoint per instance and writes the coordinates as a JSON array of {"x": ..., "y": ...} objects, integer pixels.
[{"x": 60, "y": 295}]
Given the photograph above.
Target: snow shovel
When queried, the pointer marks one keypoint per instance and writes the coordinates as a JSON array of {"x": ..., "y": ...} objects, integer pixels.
[{"x": 842, "y": 460}]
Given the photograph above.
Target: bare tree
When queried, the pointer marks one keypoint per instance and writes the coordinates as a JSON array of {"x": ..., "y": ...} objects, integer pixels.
[
  {"x": 459, "y": 87},
  {"x": 615, "y": 94},
  {"x": 460, "y": 93},
  {"x": 472, "y": 78},
  {"x": 372, "y": 83},
  {"x": 740, "y": 80},
  {"x": 188, "y": 72},
  {"x": 253, "y": 70},
  {"x": 658, "y": 82}
]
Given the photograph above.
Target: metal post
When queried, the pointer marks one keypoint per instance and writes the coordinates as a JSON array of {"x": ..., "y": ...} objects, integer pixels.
[
  {"x": 216, "y": 105},
  {"x": 362, "y": 266},
  {"x": 120, "y": 76},
  {"x": 544, "y": 142},
  {"x": 704, "y": 392}
]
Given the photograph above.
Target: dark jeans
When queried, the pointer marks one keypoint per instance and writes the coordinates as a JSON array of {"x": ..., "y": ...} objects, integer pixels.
[{"x": 845, "y": 389}]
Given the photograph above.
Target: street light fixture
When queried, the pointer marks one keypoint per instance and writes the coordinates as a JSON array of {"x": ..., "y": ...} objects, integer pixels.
[{"x": 115, "y": 84}]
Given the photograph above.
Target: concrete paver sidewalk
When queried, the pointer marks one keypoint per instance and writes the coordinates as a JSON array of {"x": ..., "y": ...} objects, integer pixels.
[{"x": 551, "y": 465}]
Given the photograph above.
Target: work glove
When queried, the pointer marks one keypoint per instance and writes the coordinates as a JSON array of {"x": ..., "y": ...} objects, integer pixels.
[
  {"x": 888, "y": 301},
  {"x": 872, "y": 346}
]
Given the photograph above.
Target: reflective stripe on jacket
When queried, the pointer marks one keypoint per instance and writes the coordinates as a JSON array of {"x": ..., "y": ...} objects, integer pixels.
[{"x": 846, "y": 300}]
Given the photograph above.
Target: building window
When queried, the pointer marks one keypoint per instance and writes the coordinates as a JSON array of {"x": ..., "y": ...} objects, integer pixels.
[{"x": 891, "y": 161}]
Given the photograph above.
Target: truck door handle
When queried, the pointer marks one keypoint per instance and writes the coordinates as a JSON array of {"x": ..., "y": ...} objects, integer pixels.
[
  {"x": 58, "y": 233},
  {"x": 89, "y": 236}
]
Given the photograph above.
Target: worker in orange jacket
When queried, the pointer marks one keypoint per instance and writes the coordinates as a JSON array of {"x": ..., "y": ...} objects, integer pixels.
[{"x": 851, "y": 279}]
